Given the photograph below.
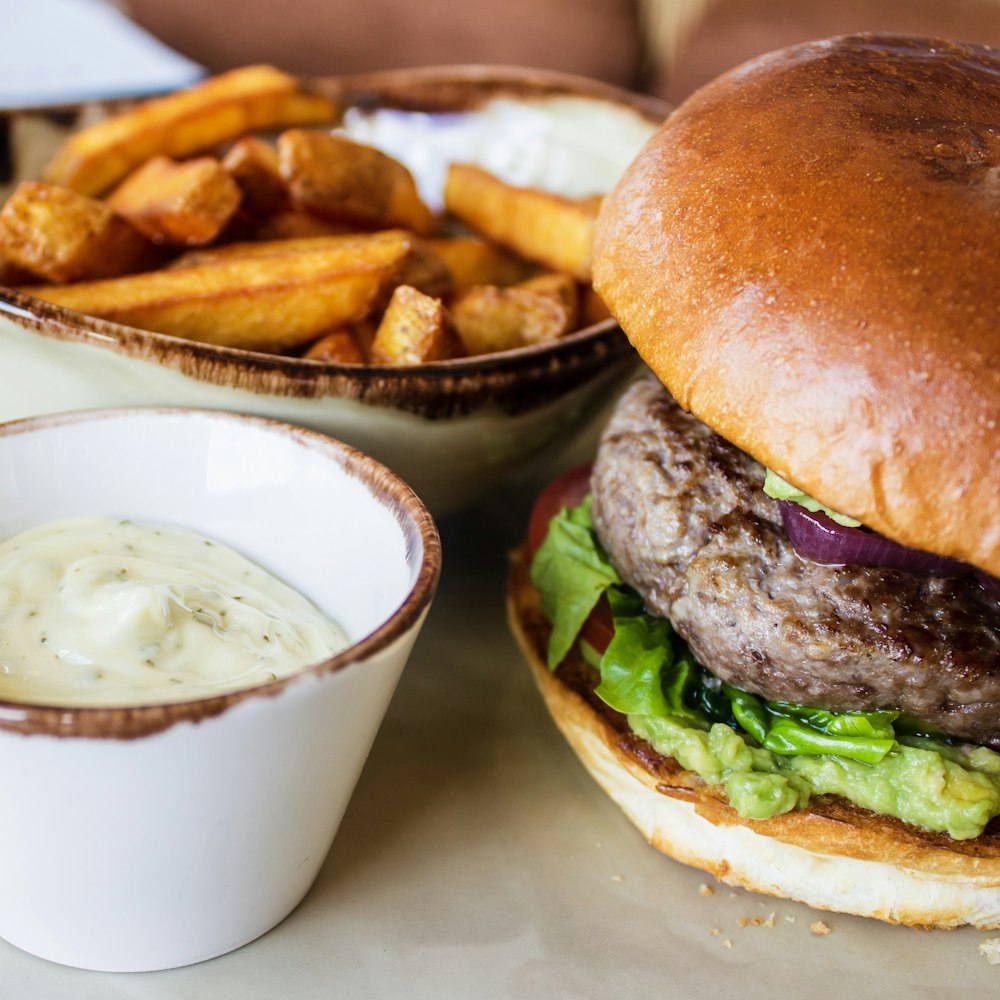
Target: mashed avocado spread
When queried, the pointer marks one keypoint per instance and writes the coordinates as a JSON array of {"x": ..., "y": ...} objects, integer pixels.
[{"x": 768, "y": 757}]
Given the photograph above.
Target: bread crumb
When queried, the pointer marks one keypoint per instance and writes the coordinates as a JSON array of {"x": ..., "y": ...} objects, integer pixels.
[
  {"x": 789, "y": 919},
  {"x": 727, "y": 943},
  {"x": 617, "y": 878},
  {"x": 714, "y": 931},
  {"x": 770, "y": 920},
  {"x": 705, "y": 890},
  {"x": 819, "y": 928},
  {"x": 990, "y": 950},
  {"x": 742, "y": 922}
]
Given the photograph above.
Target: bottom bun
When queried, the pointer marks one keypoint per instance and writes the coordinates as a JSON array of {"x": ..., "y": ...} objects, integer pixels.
[{"x": 831, "y": 855}]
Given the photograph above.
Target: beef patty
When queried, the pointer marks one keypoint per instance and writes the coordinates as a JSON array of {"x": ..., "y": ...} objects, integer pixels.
[{"x": 683, "y": 517}]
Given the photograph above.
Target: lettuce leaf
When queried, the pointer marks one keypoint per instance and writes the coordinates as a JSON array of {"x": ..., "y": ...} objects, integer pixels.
[{"x": 571, "y": 572}]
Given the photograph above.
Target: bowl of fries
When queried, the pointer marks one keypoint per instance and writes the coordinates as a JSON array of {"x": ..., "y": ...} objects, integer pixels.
[{"x": 399, "y": 259}]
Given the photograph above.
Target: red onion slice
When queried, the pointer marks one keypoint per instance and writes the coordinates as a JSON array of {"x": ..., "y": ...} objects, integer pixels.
[{"x": 821, "y": 539}]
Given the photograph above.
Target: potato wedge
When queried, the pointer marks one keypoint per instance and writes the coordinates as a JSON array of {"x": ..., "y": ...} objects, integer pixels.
[
  {"x": 182, "y": 124},
  {"x": 339, "y": 346},
  {"x": 294, "y": 225},
  {"x": 180, "y": 204},
  {"x": 59, "y": 235},
  {"x": 474, "y": 261},
  {"x": 341, "y": 180},
  {"x": 422, "y": 268},
  {"x": 257, "y": 303},
  {"x": 253, "y": 164},
  {"x": 547, "y": 228},
  {"x": 558, "y": 286},
  {"x": 489, "y": 319},
  {"x": 413, "y": 330}
]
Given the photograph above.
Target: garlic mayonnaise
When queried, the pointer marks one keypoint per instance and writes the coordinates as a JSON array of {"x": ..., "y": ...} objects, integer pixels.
[{"x": 100, "y": 611}]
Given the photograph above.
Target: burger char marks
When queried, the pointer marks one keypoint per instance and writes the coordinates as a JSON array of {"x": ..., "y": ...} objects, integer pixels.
[{"x": 684, "y": 519}]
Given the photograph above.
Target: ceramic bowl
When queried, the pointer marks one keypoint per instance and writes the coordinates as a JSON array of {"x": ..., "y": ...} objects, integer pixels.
[
  {"x": 452, "y": 429},
  {"x": 149, "y": 837}
]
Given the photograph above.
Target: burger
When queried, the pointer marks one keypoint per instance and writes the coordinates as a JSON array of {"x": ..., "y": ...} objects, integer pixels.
[{"x": 767, "y": 619}]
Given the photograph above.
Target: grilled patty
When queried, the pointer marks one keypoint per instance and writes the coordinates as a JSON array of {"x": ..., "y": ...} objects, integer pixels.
[{"x": 683, "y": 517}]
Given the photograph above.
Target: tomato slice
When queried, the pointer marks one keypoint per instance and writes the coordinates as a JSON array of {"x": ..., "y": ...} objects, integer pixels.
[{"x": 567, "y": 491}]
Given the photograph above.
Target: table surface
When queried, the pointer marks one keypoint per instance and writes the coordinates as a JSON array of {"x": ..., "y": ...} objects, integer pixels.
[{"x": 478, "y": 859}]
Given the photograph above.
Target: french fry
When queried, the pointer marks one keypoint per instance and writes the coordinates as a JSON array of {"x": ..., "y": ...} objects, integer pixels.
[
  {"x": 59, "y": 235},
  {"x": 338, "y": 179},
  {"x": 181, "y": 204},
  {"x": 474, "y": 261},
  {"x": 560, "y": 287},
  {"x": 253, "y": 164},
  {"x": 489, "y": 319},
  {"x": 293, "y": 225},
  {"x": 547, "y": 228},
  {"x": 339, "y": 346},
  {"x": 182, "y": 124},
  {"x": 413, "y": 330},
  {"x": 255, "y": 303},
  {"x": 423, "y": 268}
]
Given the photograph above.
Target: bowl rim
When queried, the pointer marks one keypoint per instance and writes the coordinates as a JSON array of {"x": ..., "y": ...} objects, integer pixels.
[
  {"x": 435, "y": 89},
  {"x": 383, "y": 486}
]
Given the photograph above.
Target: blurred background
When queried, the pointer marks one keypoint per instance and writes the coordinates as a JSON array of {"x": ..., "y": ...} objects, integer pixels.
[{"x": 667, "y": 47}]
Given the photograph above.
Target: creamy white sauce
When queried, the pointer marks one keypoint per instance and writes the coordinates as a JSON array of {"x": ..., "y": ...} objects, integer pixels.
[
  {"x": 101, "y": 611},
  {"x": 574, "y": 146}
]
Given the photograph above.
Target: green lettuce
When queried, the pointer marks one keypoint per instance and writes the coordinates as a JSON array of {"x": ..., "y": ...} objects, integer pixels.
[{"x": 571, "y": 572}]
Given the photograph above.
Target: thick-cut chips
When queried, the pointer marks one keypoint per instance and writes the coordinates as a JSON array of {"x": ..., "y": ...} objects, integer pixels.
[
  {"x": 182, "y": 204},
  {"x": 474, "y": 261},
  {"x": 187, "y": 122},
  {"x": 547, "y": 228},
  {"x": 423, "y": 268},
  {"x": 413, "y": 330},
  {"x": 294, "y": 225},
  {"x": 338, "y": 179},
  {"x": 271, "y": 303},
  {"x": 253, "y": 163},
  {"x": 59, "y": 235},
  {"x": 489, "y": 319},
  {"x": 340, "y": 346}
]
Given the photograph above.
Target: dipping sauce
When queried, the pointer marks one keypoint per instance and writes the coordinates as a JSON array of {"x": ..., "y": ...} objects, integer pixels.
[{"x": 100, "y": 611}]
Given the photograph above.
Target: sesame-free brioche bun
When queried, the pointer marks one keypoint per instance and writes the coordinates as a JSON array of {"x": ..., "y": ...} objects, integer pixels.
[
  {"x": 830, "y": 855},
  {"x": 807, "y": 254}
]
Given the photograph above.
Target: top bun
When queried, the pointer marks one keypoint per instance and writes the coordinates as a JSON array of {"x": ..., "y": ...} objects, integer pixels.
[{"x": 807, "y": 254}]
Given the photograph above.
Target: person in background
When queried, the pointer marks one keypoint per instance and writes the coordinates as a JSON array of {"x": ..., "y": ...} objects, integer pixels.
[{"x": 666, "y": 47}]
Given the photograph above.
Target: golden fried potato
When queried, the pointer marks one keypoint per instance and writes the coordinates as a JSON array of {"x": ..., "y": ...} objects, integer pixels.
[
  {"x": 413, "y": 330},
  {"x": 488, "y": 319},
  {"x": 474, "y": 261},
  {"x": 294, "y": 225},
  {"x": 341, "y": 180},
  {"x": 422, "y": 268},
  {"x": 560, "y": 287},
  {"x": 180, "y": 204},
  {"x": 253, "y": 164},
  {"x": 59, "y": 235},
  {"x": 340, "y": 346},
  {"x": 182, "y": 124},
  {"x": 554, "y": 231},
  {"x": 273, "y": 303}
]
